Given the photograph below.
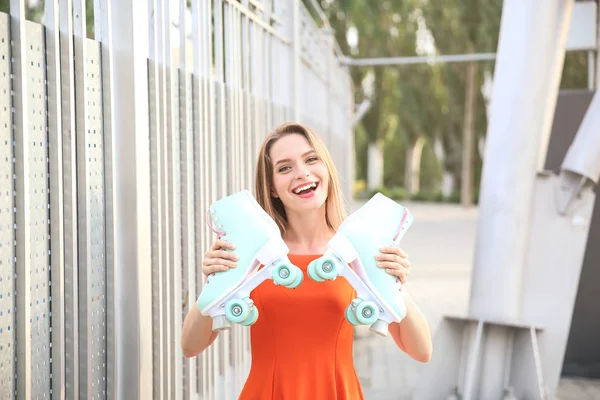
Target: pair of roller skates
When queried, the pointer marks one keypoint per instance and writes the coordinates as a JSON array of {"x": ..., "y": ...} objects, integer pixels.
[{"x": 350, "y": 253}]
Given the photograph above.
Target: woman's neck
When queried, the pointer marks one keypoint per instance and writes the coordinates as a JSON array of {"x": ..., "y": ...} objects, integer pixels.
[{"x": 308, "y": 233}]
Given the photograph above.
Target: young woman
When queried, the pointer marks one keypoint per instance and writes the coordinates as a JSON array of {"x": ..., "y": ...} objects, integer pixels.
[{"x": 301, "y": 344}]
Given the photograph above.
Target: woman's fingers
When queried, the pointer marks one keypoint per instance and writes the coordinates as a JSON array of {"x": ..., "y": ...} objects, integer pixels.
[
  {"x": 222, "y": 244},
  {"x": 210, "y": 269},
  {"x": 225, "y": 255}
]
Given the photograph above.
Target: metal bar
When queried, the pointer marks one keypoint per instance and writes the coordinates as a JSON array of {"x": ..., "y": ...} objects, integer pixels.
[
  {"x": 103, "y": 30},
  {"x": 55, "y": 143},
  {"x": 132, "y": 212},
  {"x": 472, "y": 366},
  {"x": 206, "y": 153},
  {"x": 162, "y": 353},
  {"x": 167, "y": 134},
  {"x": 71, "y": 284},
  {"x": 38, "y": 210},
  {"x": 96, "y": 278},
  {"x": 83, "y": 200},
  {"x": 186, "y": 176},
  {"x": 244, "y": 10},
  {"x": 8, "y": 350},
  {"x": 509, "y": 357},
  {"x": 187, "y": 218},
  {"x": 591, "y": 72},
  {"x": 538, "y": 363},
  {"x": 296, "y": 62},
  {"x": 320, "y": 13},
  {"x": 199, "y": 171},
  {"x": 452, "y": 58},
  {"x": 155, "y": 40},
  {"x": 582, "y": 156},
  {"x": 218, "y": 133},
  {"x": 22, "y": 197},
  {"x": 175, "y": 192},
  {"x": 182, "y": 35}
]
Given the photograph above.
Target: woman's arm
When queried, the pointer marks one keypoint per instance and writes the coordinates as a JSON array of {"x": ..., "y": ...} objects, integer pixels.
[
  {"x": 197, "y": 333},
  {"x": 412, "y": 335}
]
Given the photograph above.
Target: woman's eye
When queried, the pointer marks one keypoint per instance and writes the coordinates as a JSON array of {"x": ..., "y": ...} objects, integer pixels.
[
  {"x": 312, "y": 159},
  {"x": 283, "y": 169}
]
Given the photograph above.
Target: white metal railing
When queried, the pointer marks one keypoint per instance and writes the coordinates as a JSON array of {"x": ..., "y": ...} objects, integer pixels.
[{"x": 111, "y": 150}]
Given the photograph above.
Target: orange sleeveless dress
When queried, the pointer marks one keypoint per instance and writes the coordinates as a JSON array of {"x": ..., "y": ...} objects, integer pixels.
[{"x": 301, "y": 344}]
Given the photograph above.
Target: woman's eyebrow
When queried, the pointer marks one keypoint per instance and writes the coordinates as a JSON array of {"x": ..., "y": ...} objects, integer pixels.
[{"x": 288, "y": 160}]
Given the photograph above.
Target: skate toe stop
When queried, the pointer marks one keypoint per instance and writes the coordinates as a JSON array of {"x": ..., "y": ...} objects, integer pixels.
[
  {"x": 220, "y": 323},
  {"x": 380, "y": 327}
]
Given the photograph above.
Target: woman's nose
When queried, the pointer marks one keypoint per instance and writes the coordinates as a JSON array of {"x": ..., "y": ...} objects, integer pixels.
[{"x": 303, "y": 174}]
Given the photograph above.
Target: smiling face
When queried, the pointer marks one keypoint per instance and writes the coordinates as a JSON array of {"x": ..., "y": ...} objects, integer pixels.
[
  {"x": 295, "y": 173},
  {"x": 300, "y": 177}
]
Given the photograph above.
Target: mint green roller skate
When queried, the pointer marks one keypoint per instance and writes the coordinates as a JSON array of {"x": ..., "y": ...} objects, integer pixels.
[
  {"x": 225, "y": 297},
  {"x": 380, "y": 222}
]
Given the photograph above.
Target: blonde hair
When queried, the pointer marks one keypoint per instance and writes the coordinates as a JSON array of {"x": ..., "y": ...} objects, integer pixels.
[{"x": 335, "y": 212}]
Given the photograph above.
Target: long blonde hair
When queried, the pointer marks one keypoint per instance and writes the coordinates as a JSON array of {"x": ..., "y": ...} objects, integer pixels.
[{"x": 335, "y": 212}]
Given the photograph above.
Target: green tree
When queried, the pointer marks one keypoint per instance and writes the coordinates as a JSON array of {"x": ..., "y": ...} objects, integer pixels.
[
  {"x": 460, "y": 27},
  {"x": 404, "y": 100}
]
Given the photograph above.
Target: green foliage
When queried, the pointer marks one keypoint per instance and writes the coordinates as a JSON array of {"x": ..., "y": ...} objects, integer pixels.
[
  {"x": 431, "y": 170},
  {"x": 423, "y": 100},
  {"x": 574, "y": 74},
  {"x": 395, "y": 193},
  {"x": 429, "y": 196},
  {"x": 361, "y": 148}
]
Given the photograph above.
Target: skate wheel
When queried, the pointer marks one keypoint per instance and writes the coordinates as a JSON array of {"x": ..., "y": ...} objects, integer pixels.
[
  {"x": 252, "y": 318},
  {"x": 326, "y": 268},
  {"x": 237, "y": 310},
  {"x": 298, "y": 281},
  {"x": 366, "y": 313},
  {"x": 312, "y": 273},
  {"x": 350, "y": 315},
  {"x": 284, "y": 274}
]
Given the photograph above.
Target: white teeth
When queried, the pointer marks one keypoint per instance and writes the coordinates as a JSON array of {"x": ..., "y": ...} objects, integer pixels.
[{"x": 301, "y": 188}]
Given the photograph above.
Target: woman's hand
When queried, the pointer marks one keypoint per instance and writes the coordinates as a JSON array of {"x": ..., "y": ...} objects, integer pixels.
[
  {"x": 395, "y": 262},
  {"x": 218, "y": 259}
]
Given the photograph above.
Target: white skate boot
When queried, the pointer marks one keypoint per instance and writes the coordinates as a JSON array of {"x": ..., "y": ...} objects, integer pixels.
[
  {"x": 241, "y": 220},
  {"x": 380, "y": 222}
]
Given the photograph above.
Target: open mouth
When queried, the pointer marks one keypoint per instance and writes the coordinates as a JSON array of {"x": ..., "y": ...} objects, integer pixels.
[{"x": 306, "y": 189}]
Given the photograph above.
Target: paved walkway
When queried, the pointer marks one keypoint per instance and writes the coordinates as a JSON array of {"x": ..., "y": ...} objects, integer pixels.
[{"x": 440, "y": 246}]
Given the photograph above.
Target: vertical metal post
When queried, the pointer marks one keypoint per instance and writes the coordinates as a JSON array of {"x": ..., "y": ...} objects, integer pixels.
[
  {"x": 68, "y": 120},
  {"x": 199, "y": 188},
  {"x": 156, "y": 184},
  {"x": 8, "y": 339},
  {"x": 166, "y": 137},
  {"x": 21, "y": 139},
  {"x": 55, "y": 136},
  {"x": 132, "y": 216},
  {"x": 295, "y": 36},
  {"x": 597, "y": 63},
  {"x": 81, "y": 140},
  {"x": 591, "y": 73},
  {"x": 186, "y": 217},
  {"x": 103, "y": 33},
  {"x": 517, "y": 126},
  {"x": 513, "y": 130}
]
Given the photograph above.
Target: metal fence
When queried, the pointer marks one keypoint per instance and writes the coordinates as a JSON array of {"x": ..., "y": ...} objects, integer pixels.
[{"x": 111, "y": 150}]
